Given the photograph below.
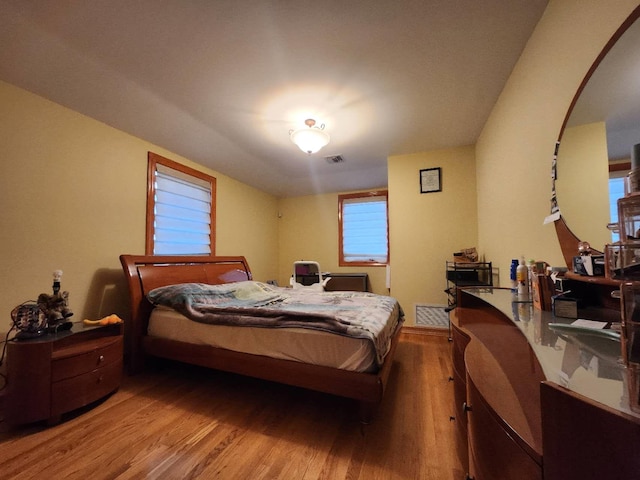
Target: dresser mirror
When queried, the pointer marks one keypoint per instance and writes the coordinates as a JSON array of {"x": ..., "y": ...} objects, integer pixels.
[{"x": 600, "y": 128}]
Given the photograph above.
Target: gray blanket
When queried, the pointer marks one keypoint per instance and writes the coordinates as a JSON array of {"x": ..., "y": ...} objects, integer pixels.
[{"x": 354, "y": 314}]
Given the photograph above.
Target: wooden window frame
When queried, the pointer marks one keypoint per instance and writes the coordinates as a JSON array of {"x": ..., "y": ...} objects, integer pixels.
[
  {"x": 153, "y": 160},
  {"x": 341, "y": 199}
]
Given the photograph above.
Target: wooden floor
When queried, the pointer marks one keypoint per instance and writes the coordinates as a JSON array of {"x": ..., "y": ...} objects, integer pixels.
[{"x": 183, "y": 422}]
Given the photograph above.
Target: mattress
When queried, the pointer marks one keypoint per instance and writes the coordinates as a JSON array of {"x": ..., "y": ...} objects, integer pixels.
[{"x": 297, "y": 344}]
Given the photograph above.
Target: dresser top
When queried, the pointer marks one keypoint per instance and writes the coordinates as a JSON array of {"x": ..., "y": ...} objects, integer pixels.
[{"x": 587, "y": 361}]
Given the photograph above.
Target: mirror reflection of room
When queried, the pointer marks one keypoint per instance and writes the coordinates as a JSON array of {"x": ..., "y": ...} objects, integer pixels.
[{"x": 595, "y": 148}]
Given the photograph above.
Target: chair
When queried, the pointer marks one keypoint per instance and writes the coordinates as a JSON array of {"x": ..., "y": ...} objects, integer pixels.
[{"x": 307, "y": 274}]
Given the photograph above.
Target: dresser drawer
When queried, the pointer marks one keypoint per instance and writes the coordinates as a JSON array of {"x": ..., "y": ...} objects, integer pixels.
[
  {"x": 460, "y": 341},
  {"x": 78, "y": 391},
  {"x": 104, "y": 352},
  {"x": 493, "y": 452},
  {"x": 460, "y": 397}
]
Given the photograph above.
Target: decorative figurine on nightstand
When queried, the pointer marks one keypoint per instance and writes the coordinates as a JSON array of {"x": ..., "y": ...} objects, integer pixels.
[{"x": 56, "y": 307}]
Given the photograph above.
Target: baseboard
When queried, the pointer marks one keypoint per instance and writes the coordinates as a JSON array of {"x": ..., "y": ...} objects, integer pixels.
[{"x": 420, "y": 330}]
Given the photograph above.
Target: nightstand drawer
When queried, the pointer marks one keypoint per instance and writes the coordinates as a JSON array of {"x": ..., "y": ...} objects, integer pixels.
[
  {"x": 105, "y": 351},
  {"x": 81, "y": 390}
]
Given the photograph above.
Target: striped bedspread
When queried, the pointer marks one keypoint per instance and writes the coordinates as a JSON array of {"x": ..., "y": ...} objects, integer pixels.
[{"x": 355, "y": 314}]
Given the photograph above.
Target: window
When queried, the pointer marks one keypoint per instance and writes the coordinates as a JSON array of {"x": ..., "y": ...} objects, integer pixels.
[
  {"x": 363, "y": 229},
  {"x": 616, "y": 191},
  {"x": 180, "y": 209}
]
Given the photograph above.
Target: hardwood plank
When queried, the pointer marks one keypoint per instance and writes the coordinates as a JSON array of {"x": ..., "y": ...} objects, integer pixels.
[{"x": 178, "y": 421}]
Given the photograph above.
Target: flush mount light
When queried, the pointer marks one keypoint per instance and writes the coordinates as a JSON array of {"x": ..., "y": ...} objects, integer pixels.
[{"x": 311, "y": 139}]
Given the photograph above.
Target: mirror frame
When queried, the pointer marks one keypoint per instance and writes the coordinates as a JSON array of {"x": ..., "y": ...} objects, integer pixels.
[{"x": 567, "y": 239}]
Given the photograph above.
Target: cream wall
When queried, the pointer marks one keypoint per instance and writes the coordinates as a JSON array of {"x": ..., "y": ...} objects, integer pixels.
[
  {"x": 583, "y": 182},
  {"x": 515, "y": 149},
  {"x": 73, "y": 196},
  {"x": 308, "y": 230},
  {"x": 425, "y": 229}
]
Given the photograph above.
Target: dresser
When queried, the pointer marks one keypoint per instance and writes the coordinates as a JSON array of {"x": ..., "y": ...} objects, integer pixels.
[
  {"x": 535, "y": 402},
  {"x": 355, "y": 282},
  {"x": 57, "y": 373},
  {"x": 338, "y": 282}
]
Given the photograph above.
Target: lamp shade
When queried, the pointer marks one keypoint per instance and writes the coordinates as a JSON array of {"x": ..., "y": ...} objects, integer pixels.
[{"x": 311, "y": 138}]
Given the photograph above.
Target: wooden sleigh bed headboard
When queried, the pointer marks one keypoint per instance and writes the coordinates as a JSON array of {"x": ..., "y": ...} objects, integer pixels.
[{"x": 146, "y": 272}]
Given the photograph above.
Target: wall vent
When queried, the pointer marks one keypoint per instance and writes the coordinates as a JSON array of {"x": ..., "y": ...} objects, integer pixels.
[
  {"x": 432, "y": 316},
  {"x": 334, "y": 159}
]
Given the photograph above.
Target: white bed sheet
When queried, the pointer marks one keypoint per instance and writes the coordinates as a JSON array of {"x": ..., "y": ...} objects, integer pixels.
[{"x": 297, "y": 344}]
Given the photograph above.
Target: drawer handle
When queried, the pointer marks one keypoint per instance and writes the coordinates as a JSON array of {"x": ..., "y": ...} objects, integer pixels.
[
  {"x": 468, "y": 477},
  {"x": 100, "y": 359},
  {"x": 466, "y": 407},
  {"x": 99, "y": 379}
]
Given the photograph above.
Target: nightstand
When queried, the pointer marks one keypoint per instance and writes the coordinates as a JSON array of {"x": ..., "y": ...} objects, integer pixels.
[{"x": 57, "y": 373}]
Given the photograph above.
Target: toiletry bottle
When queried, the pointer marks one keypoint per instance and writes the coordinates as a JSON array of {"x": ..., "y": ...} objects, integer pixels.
[
  {"x": 531, "y": 274},
  {"x": 513, "y": 277},
  {"x": 522, "y": 278}
]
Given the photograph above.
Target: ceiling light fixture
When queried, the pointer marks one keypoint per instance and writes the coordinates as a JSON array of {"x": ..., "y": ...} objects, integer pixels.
[{"x": 312, "y": 139}]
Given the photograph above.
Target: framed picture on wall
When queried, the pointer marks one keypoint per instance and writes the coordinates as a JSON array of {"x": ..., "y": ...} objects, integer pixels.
[{"x": 430, "y": 180}]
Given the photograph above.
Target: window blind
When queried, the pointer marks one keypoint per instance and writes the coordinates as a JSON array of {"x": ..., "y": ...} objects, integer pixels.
[
  {"x": 182, "y": 214},
  {"x": 364, "y": 229}
]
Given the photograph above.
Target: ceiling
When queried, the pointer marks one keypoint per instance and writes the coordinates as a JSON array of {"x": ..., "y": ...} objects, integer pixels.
[{"x": 222, "y": 82}]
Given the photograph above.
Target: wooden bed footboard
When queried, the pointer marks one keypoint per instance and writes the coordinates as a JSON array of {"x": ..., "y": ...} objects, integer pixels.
[{"x": 145, "y": 273}]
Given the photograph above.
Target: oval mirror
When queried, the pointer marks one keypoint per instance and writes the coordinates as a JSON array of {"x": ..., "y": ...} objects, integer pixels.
[{"x": 598, "y": 134}]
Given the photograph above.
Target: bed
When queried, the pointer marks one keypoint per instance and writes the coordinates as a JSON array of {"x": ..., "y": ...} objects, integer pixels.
[{"x": 358, "y": 367}]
